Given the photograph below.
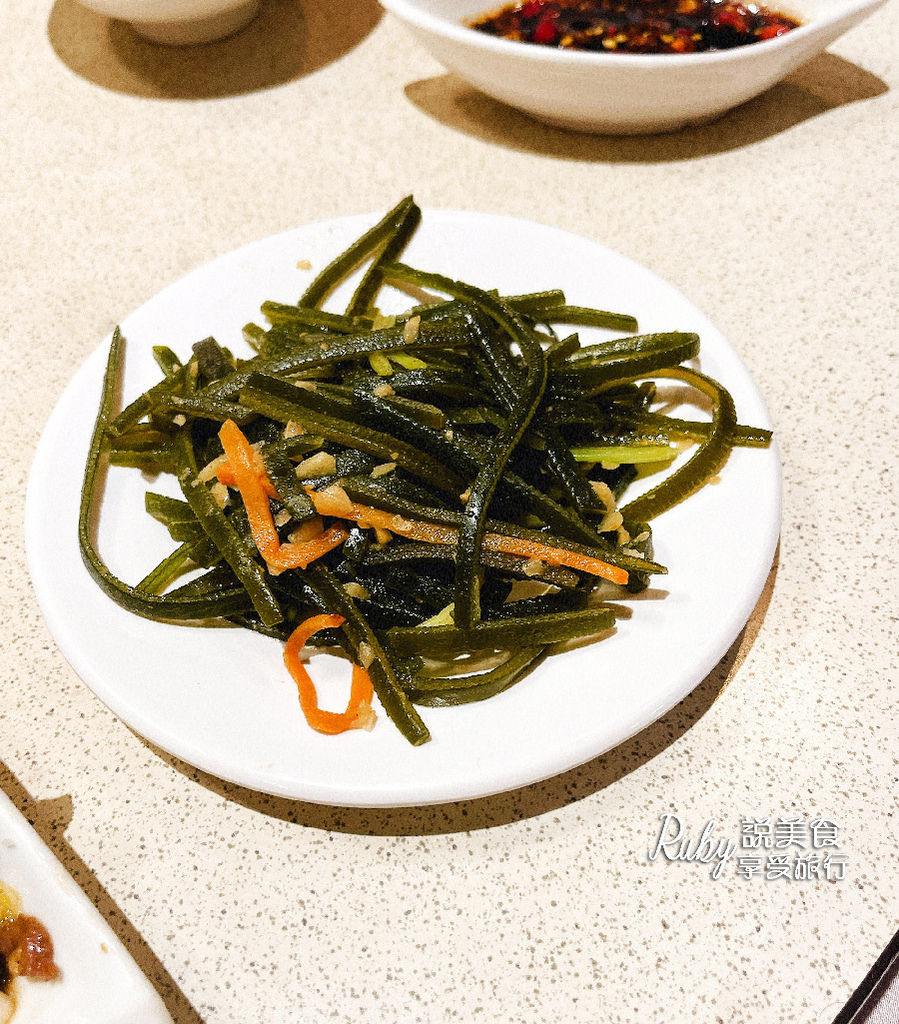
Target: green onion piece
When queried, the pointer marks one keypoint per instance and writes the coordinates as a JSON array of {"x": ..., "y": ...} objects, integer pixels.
[
  {"x": 380, "y": 364},
  {"x": 636, "y": 454}
]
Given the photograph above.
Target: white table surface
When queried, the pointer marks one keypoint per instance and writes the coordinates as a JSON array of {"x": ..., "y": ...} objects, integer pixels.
[{"x": 123, "y": 167}]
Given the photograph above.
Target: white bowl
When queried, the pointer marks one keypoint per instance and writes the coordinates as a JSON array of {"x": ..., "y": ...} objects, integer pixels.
[
  {"x": 179, "y": 22},
  {"x": 620, "y": 93}
]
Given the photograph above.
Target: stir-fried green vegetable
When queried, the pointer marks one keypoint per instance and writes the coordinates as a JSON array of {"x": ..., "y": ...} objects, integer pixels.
[{"x": 446, "y": 483}]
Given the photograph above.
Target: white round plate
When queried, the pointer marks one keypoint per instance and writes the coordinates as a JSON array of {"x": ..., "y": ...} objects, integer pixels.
[{"x": 220, "y": 697}]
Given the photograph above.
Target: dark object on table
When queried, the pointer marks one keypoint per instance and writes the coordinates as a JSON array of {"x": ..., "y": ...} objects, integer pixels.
[{"x": 876, "y": 1000}]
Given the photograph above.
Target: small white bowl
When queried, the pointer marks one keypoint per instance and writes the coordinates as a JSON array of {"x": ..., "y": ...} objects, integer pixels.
[
  {"x": 620, "y": 93},
  {"x": 179, "y": 22}
]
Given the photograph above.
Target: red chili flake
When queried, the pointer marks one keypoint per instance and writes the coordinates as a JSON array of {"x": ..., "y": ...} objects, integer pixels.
[
  {"x": 771, "y": 31},
  {"x": 545, "y": 32},
  {"x": 731, "y": 17},
  {"x": 683, "y": 41},
  {"x": 636, "y": 26}
]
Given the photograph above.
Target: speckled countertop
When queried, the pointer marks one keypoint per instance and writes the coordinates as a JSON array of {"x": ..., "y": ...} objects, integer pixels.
[{"x": 123, "y": 167}]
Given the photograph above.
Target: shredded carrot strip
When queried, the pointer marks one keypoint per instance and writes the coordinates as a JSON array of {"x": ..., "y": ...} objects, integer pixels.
[
  {"x": 254, "y": 486},
  {"x": 248, "y": 481},
  {"x": 359, "y": 713},
  {"x": 226, "y": 475},
  {"x": 334, "y": 501},
  {"x": 555, "y": 556},
  {"x": 298, "y": 556}
]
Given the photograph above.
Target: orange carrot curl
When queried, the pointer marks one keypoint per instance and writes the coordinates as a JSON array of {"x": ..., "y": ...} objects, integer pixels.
[
  {"x": 359, "y": 713},
  {"x": 244, "y": 472}
]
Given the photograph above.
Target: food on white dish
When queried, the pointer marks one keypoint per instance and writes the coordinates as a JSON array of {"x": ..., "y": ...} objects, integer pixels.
[
  {"x": 440, "y": 493},
  {"x": 26, "y": 951},
  {"x": 636, "y": 26},
  {"x": 609, "y": 91},
  {"x": 97, "y": 981}
]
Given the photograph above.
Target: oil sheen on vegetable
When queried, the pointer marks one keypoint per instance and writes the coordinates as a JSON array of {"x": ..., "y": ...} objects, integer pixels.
[{"x": 636, "y": 26}]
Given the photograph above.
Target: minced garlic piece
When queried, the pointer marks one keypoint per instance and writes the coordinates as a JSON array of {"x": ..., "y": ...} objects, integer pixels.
[
  {"x": 410, "y": 330},
  {"x": 320, "y": 464},
  {"x": 382, "y": 391},
  {"x": 521, "y": 590},
  {"x": 445, "y": 617},
  {"x": 533, "y": 567},
  {"x": 304, "y": 265},
  {"x": 604, "y": 493},
  {"x": 281, "y": 518},
  {"x": 219, "y": 493},
  {"x": 210, "y": 470},
  {"x": 610, "y": 521},
  {"x": 380, "y": 364},
  {"x": 358, "y": 591},
  {"x": 383, "y": 469},
  {"x": 339, "y": 503},
  {"x": 365, "y": 717},
  {"x": 293, "y": 429}
]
